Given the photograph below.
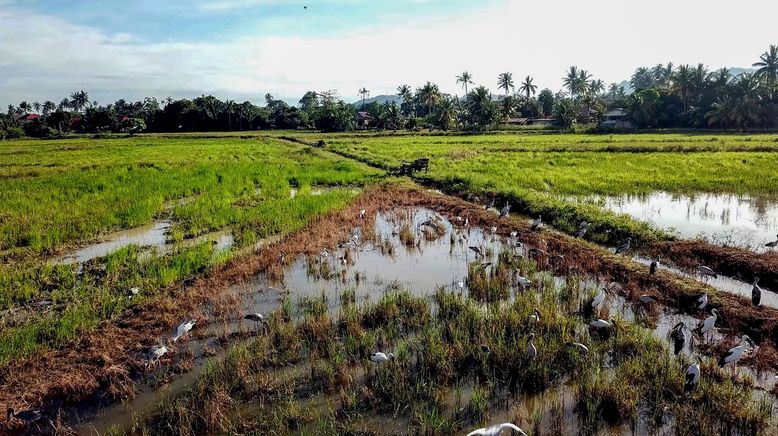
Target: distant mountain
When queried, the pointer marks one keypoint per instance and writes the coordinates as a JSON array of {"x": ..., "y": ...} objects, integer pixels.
[
  {"x": 735, "y": 71},
  {"x": 380, "y": 99}
]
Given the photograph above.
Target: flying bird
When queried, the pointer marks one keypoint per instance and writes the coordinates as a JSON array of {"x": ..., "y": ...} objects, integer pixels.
[{"x": 496, "y": 430}]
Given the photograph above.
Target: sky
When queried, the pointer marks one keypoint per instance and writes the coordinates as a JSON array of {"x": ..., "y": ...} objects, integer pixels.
[{"x": 242, "y": 49}]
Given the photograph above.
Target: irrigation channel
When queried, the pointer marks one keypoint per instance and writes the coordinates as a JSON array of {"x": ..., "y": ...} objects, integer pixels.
[{"x": 422, "y": 252}]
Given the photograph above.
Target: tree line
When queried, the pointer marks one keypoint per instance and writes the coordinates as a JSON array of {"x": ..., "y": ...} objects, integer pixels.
[{"x": 663, "y": 96}]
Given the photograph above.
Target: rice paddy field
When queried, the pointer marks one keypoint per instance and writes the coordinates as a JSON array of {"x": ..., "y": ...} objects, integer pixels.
[{"x": 109, "y": 244}]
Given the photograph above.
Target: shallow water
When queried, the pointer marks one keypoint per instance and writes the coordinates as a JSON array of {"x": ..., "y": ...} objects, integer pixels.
[
  {"x": 420, "y": 269},
  {"x": 723, "y": 219}
]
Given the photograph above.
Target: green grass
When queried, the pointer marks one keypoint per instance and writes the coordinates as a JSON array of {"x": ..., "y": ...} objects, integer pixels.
[
  {"x": 540, "y": 174},
  {"x": 59, "y": 194}
]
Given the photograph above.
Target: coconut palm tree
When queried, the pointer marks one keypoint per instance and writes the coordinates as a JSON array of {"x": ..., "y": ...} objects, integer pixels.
[
  {"x": 37, "y": 107},
  {"x": 583, "y": 81},
  {"x": 596, "y": 86},
  {"x": 364, "y": 93},
  {"x": 230, "y": 108},
  {"x": 465, "y": 79},
  {"x": 48, "y": 107},
  {"x": 575, "y": 81},
  {"x": 527, "y": 87},
  {"x": 406, "y": 93},
  {"x": 79, "y": 100},
  {"x": 767, "y": 68},
  {"x": 505, "y": 81},
  {"x": 430, "y": 95},
  {"x": 613, "y": 90}
]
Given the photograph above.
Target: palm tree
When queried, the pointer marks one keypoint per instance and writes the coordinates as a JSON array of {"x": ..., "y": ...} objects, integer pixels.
[
  {"x": 596, "y": 86},
  {"x": 527, "y": 87},
  {"x": 575, "y": 81},
  {"x": 682, "y": 83},
  {"x": 230, "y": 107},
  {"x": 767, "y": 68},
  {"x": 465, "y": 79},
  {"x": 583, "y": 81},
  {"x": 364, "y": 92},
  {"x": 613, "y": 90},
  {"x": 79, "y": 100},
  {"x": 37, "y": 107},
  {"x": 429, "y": 94},
  {"x": 48, "y": 107},
  {"x": 405, "y": 92},
  {"x": 505, "y": 81},
  {"x": 25, "y": 107}
]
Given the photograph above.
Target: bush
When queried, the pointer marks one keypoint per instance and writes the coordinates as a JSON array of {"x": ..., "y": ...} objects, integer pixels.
[{"x": 11, "y": 133}]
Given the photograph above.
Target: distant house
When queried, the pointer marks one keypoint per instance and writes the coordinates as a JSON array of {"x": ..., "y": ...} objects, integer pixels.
[
  {"x": 364, "y": 120},
  {"x": 616, "y": 119},
  {"x": 516, "y": 121},
  {"x": 28, "y": 118},
  {"x": 541, "y": 121}
]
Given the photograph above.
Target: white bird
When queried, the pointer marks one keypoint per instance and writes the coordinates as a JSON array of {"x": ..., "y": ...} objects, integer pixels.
[
  {"x": 494, "y": 230},
  {"x": 692, "y": 376},
  {"x": 520, "y": 280},
  {"x": 708, "y": 323},
  {"x": 597, "y": 300},
  {"x": 514, "y": 234},
  {"x": 623, "y": 248},
  {"x": 504, "y": 211},
  {"x": 701, "y": 302},
  {"x": 133, "y": 292},
  {"x": 380, "y": 357},
  {"x": 756, "y": 293},
  {"x": 282, "y": 257},
  {"x": 532, "y": 351},
  {"x": 772, "y": 244},
  {"x": 581, "y": 348},
  {"x": 461, "y": 284},
  {"x": 535, "y": 317},
  {"x": 600, "y": 324},
  {"x": 537, "y": 223},
  {"x": 495, "y": 430},
  {"x": 734, "y": 354},
  {"x": 183, "y": 328},
  {"x": 157, "y": 352},
  {"x": 705, "y": 271},
  {"x": 477, "y": 251},
  {"x": 362, "y": 213}
]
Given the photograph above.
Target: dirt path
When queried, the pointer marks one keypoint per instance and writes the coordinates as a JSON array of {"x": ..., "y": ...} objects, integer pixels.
[{"x": 105, "y": 363}]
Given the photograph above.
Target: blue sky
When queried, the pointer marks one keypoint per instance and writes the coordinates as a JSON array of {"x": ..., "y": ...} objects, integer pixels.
[{"x": 242, "y": 49}]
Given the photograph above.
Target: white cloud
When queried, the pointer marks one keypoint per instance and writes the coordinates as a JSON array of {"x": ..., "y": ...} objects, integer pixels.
[{"x": 44, "y": 57}]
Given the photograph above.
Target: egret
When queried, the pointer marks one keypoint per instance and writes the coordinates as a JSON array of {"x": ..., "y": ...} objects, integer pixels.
[
  {"x": 708, "y": 323},
  {"x": 495, "y": 430},
  {"x": 705, "y": 271},
  {"x": 532, "y": 351},
  {"x": 700, "y": 302},
  {"x": 623, "y": 248},
  {"x": 133, "y": 292},
  {"x": 692, "y": 375},
  {"x": 256, "y": 317},
  {"x": 521, "y": 281},
  {"x": 678, "y": 336},
  {"x": 477, "y": 250},
  {"x": 579, "y": 347},
  {"x": 734, "y": 354},
  {"x": 490, "y": 205},
  {"x": 183, "y": 329},
  {"x": 772, "y": 244},
  {"x": 379, "y": 357},
  {"x": 504, "y": 211},
  {"x": 157, "y": 352},
  {"x": 535, "y": 317},
  {"x": 756, "y": 293},
  {"x": 654, "y": 266},
  {"x": 537, "y": 223},
  {"x": 30, "y": 415}
]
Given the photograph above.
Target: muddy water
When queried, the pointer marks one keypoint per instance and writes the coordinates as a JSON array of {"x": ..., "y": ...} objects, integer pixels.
[
  {"x": 419, "y": 268},
  {"x": 722, "y": 219}
]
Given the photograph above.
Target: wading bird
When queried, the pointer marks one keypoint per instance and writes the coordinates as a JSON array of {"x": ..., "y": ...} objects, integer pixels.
[
  {"x": 708, "y": 323},
  {"x": 520, "y": 280},
  {"x": 678, "y": 336},
  {"x": 379, "y": 357},
  {"x": 537, "y": 223},
  {"x": 532, "y": 351},
  {"x": 654, "y": 266},
  {"x": 601, "y": 324},
  {"x": 535, "y": 317},
  {"x": 490, "y": 205},
  {"x": 772, "y": 244},
  {"x": 514, "y": 234},
  {"x": 623, "y": 248},
  {"x": 362, "y": 214},
  {"x": 256, "y": 317},
  {"x": 158, "y": 351},
  {"x": 29, "y": 416},
  {"x": 504, "y": 211},
  {"x": 496, "y": 430},
  {"x": 706, "y": 272},
  {"x": 734, "y": 354},
  {"x": 183, "y": 329},
  {"x": 282, "y": 257},
  {"x": 579, "y": 347},
  {"x": 133, "y": 292},
  {"x": 477, "y": 251},
  {"x": 692, "y": 375},
  {"x": 595, "y": 302},
  {"x": 756, "y": 293},
  {"x": 581, "y": 232},
  {"x": 700, "y": 302}
]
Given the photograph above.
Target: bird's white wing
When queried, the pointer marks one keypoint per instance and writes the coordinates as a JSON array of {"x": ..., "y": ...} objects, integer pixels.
[
  {"x": 512, "y": 427},
  {"x": 480, "y": 431}
]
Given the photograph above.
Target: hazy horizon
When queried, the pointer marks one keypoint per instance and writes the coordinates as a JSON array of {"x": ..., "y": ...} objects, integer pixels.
[{"x": 242, "y": 49}]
